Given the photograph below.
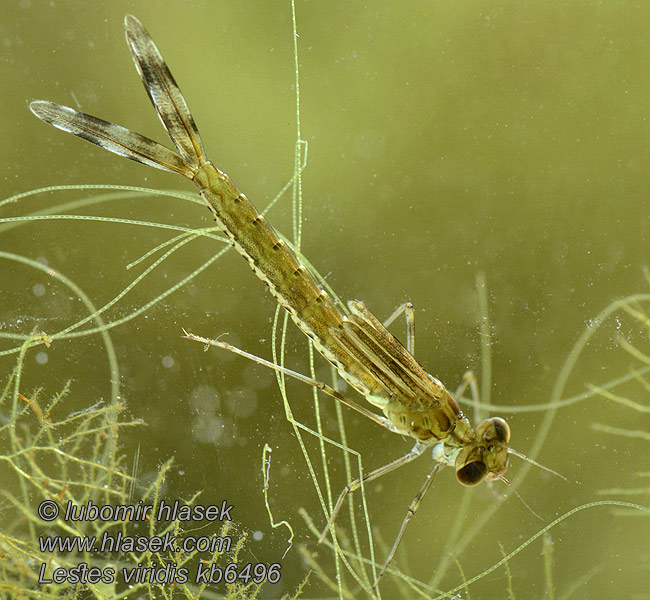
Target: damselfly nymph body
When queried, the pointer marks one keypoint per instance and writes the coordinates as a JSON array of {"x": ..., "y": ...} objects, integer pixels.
[{"x": 364, "y": 352}]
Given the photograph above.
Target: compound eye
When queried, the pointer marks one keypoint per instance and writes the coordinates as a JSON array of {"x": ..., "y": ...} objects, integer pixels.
[
  {"x": 493, "y": 430},
  {"x": 472, "y": 473},
  {"x": 501, "y": 430}
]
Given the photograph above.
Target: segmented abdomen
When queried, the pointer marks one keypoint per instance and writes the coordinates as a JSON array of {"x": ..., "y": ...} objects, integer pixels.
[{"x": 274, "y": 262}]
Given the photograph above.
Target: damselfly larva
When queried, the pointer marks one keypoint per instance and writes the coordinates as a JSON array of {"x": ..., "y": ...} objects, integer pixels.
[{"x": 361, "y": 348}]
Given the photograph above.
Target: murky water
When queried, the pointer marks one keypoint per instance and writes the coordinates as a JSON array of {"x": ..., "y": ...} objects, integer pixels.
[{"x": 444, "y": 141}]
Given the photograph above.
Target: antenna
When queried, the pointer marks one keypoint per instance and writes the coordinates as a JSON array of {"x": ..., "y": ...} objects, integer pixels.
[
  {"x": 533, "y": 462},
  {"x": 516, "y": 493}
]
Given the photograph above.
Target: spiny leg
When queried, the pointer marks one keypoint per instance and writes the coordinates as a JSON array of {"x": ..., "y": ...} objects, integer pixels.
[
  {"x": 409, "y": 315},
  {"x": 416, "y": 451},
  {"x": 415, "y": 504},
  {"x": 383, "y": 421}
]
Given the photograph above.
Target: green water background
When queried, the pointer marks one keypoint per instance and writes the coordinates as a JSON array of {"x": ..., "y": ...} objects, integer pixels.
[{"x": 445, "y": 139}]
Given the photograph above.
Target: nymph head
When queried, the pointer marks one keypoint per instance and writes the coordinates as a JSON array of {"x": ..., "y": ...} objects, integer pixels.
[{"x": 486, "y": 457}]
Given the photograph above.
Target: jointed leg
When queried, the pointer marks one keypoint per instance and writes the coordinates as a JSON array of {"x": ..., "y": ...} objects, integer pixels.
[
  {"x": 416, "y": 451},
  {"x": 383, "y": 421},
  {"x": 409, "y": 515},
  {"x": 469, "y": 381},
  {"x": 409, "y": 314}
]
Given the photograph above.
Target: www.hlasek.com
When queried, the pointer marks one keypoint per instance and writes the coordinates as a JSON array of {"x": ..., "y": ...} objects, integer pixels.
[{"x": 169, "y": 573}]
